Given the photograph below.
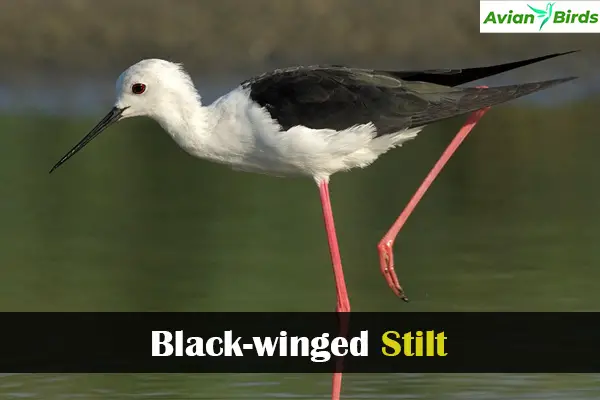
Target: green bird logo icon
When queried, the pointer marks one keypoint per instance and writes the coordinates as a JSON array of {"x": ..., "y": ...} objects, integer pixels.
[{"x": 545, "y": 14}]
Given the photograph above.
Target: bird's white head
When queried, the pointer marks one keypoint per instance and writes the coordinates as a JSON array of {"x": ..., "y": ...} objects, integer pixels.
[{"x": 154, "y": 88}]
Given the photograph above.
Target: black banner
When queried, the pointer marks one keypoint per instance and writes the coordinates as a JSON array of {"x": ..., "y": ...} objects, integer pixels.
[{"x": 299, "y": 342}]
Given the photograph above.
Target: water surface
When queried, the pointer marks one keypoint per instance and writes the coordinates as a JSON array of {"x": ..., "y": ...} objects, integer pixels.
[{"x": 134, "y": 224}]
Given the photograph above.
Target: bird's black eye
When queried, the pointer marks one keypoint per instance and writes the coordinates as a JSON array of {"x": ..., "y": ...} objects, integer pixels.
[{"x": 138, "y": 88}]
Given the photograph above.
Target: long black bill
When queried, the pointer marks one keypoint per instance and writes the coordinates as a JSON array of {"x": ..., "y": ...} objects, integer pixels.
[{"x": 113, "y": 116}]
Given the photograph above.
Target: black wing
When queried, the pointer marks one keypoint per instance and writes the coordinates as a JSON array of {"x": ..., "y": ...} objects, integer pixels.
[{"x": 337, "y": 98}]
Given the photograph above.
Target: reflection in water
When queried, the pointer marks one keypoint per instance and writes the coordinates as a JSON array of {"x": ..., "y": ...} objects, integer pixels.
[{"x": 134, "y": 224}]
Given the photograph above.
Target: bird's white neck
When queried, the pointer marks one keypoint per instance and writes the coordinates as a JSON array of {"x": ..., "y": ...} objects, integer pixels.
[
  {"x": 212, "y": 132},
  {"x": 188, "y": 122}
]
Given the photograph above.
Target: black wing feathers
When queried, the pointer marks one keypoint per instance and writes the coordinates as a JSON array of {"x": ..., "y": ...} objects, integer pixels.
[
  {"x": 335, "y": 97},
  {"x": 455, "y": 77},
  {"x": 332, "y": 98}
]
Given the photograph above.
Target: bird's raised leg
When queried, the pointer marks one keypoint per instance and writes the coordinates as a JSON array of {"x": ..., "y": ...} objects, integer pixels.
[
  {"x": 386, "y": 254},
  {"x": 343, "y": 303}
]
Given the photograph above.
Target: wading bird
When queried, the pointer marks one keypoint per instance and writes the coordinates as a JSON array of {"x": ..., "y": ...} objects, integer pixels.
[{"x": 312, "y": 121}]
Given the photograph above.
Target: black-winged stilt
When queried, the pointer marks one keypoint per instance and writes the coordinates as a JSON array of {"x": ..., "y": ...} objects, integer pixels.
[{"x": 312, "y": 121}]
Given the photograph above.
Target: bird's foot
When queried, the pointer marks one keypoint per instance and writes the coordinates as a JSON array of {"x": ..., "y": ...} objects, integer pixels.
[{"x": 386, "y": 261}]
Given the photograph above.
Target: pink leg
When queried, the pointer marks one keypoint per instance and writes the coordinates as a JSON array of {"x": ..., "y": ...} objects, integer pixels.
[
  {"x": 343, "y": 303},
  {"x": 386, "y": 255}
]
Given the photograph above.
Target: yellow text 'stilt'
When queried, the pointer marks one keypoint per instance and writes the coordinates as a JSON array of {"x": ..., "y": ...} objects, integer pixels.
[{"x": 419, "y": 344}]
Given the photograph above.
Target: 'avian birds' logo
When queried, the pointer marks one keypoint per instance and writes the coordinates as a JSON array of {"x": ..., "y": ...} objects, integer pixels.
[
  {"x": 528, "y": 16},
  {"x": 545, "y": 15}
]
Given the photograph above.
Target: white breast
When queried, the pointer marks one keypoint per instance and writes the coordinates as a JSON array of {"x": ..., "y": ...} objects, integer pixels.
[{"x": 246, "y": 137}]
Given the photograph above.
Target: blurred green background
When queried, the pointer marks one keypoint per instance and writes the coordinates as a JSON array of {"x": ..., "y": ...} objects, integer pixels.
[{"x": 135, "y": 224}]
